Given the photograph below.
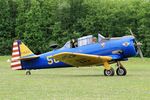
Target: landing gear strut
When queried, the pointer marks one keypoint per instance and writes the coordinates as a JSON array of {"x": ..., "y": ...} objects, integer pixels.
[
  {"x": 121, "y": 71},
  {"x": 28, "y": 72},
  {"x": 109, "y": 71}
]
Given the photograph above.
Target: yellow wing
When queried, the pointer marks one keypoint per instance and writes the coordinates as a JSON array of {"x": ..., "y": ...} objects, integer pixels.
[{"x": 78, "y": 59}]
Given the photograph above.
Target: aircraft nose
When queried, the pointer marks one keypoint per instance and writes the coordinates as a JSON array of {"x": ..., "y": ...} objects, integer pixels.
[{"x": 137, "y": 45}]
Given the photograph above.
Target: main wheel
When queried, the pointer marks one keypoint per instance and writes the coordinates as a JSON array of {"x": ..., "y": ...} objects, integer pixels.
[
  {"x": 28, "y": 72},
  {"x": 121, "y": 71},
  {"x": 109, "y": 72}
]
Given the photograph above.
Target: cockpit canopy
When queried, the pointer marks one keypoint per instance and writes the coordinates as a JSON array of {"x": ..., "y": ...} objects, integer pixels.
[{"x": 85, "y": 40}]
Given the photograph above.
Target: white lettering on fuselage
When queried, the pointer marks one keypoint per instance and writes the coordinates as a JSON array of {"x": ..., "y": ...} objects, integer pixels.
[{"x": 51, "y": 60}]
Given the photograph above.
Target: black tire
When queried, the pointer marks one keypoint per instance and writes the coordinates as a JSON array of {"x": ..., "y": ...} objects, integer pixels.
[
  {"x": 110, "y": 72},
  {"x": 121, "y": 71},
  {"x": 28, "y": 73}
]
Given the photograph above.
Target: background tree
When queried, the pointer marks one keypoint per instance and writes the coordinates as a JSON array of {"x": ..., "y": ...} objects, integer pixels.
[{"x": 39, "y": 23}]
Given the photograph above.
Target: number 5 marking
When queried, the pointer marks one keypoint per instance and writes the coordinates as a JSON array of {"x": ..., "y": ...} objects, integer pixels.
[{"x": 51, "y": 60}]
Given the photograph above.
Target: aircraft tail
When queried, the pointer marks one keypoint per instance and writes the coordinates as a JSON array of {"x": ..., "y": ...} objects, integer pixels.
[{"x": 19, "y": 50}]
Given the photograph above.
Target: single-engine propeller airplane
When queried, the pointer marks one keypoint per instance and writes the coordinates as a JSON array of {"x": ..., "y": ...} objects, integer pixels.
[{"x": 84, "y": 51}]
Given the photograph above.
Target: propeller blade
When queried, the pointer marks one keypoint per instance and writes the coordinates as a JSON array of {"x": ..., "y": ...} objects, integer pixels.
[
  {"x": 132, "y": 34},
  {"x": 140, "y": 52}
]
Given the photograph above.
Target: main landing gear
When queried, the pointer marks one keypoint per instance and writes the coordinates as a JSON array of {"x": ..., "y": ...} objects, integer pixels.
[
  {"x": 121, "y": 71},
  {"x": 109, "y": 71},
  {"x": 28, "y": 72}
]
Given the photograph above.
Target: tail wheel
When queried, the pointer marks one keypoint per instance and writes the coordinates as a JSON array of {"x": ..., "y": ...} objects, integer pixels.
[
  {"x": 109, "y": 72},
  {"x": 28, "y": 72},
  {"x": 121, "y": 71}
]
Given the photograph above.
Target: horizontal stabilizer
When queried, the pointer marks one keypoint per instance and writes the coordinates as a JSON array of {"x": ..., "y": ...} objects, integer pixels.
[{"x": 30, "y": 57}]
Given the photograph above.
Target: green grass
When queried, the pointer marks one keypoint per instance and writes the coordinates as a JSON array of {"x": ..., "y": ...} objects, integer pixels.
[{"x": 76, "y": 83}]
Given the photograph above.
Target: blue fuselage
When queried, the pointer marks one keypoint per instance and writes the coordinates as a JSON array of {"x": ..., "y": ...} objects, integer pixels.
[{"x": 103, "y": 48}]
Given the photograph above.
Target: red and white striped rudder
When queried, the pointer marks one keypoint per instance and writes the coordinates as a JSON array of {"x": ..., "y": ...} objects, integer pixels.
[{"x": 15, "y": 61}]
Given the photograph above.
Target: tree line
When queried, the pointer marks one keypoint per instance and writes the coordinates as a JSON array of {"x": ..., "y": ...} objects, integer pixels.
[{"x": 39, "y": 23}]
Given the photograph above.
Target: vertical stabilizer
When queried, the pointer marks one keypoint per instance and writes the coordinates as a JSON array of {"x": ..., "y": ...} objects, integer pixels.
[{"x": 20, "y": 51}]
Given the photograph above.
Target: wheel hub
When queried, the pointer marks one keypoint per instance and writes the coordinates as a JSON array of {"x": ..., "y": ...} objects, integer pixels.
[
  {"x": 121, "y": 71},
  {"x": 108, "y": 72}
]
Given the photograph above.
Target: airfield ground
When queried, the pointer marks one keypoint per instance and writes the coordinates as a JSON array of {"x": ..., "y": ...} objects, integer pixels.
[{"x": 76, "y": 83}]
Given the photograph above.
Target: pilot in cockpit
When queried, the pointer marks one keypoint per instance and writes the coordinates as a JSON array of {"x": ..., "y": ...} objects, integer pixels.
[
  {"x": 94, "y": 39},
  {"x": 73, "y": 43}
]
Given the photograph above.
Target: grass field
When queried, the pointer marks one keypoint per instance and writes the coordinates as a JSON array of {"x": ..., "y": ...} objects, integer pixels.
[{"x": 76, "y": 83}]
